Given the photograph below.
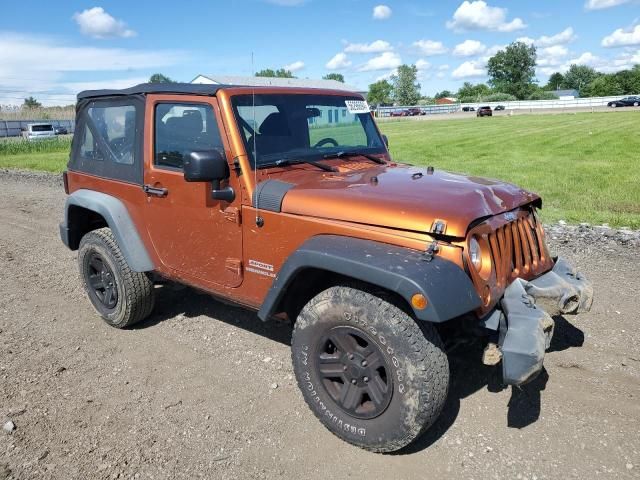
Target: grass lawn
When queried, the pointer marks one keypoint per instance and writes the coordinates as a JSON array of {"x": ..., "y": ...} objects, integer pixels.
[{"x": 586, "y": 166}]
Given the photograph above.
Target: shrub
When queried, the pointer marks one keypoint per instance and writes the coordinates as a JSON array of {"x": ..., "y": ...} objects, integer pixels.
[{"x": 499, "y": 97}]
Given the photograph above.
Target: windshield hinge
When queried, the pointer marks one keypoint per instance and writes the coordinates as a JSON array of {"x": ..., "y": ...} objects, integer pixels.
[{"x": 431, "y": 251}]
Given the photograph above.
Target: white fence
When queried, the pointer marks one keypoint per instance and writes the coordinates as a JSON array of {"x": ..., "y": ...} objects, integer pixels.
[
  {"x": 515, "y": 105},
  {"x": 13, "y": 128}
]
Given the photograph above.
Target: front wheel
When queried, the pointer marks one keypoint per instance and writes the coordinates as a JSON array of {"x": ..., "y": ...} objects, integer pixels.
[
  {"x": 121, "y": 296},
  {"x": 372, "y": 375},
  {"x": 635, "y": 104}
]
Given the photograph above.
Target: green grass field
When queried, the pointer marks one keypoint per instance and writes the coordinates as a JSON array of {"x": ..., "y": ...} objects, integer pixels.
[{"x": 586, "y": 166}]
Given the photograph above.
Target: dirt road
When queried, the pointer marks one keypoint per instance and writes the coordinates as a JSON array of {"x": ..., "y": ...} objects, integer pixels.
[{"x": 192, "y": 392}]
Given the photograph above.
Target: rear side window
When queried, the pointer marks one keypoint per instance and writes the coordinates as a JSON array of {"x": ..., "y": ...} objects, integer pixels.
[
  {"x": 41, "y": 128},
  {"x": 181, "y": 128},
  {"x": 108, "y": 139}
]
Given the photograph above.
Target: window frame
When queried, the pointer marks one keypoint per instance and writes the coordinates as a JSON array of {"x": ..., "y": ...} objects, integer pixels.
[
  {"x": 176, "y": 102},
  {"x": 107, "y": 167}
]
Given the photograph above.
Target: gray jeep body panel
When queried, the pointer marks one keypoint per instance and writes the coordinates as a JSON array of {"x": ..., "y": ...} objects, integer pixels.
[
  {"x": 446, "y": 286},
  {"x": 117, "y": 217}
]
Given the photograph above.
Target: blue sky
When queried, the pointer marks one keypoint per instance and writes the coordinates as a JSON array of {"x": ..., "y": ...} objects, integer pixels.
[{"x": 54, "y": 49}]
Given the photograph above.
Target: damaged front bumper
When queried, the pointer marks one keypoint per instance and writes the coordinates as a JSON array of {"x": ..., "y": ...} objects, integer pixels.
[{"x": 525, "y": 324}]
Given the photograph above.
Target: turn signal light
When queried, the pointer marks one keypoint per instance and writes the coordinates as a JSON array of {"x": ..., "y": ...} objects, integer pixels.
[{"x": 419, "y": 301}]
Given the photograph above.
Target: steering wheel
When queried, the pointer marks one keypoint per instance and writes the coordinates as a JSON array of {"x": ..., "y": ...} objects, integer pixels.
[{"x": 325, "y": 141}]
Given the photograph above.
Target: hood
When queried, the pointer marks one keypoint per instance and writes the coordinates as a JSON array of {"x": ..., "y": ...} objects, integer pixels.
[{"x": 399, "y": 196}]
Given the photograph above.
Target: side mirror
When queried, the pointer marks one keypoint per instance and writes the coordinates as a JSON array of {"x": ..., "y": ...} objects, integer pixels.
[
  {"x": 385, "y": 139},
  {"x": 209, "y": 166}
]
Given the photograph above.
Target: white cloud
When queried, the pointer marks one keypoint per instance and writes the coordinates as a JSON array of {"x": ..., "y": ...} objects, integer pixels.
[
  {"x": 430, "y": 47},
  {"x": 600, "y": 4},
  {"x": 477, "y": 15},
  {"x": 97, "y": 23},
  {"x": 36, "y": 65},
  {"x": 378, "y": 46},
  {"x": 442, "y": 68},
  {"x": 295, "y": 66},
  {"x": 338, "y": 62},
  {"x": 381, "y": 12},
  {"x": 552, "y": 56},
  {"x": 622, "y": 38},
  {"x": 422, "y": 64},
  {"x": 527, "y": 40},
  {"x": 469, "y": 48},
  {"x": 388, "y": 75},
  {"x": 562, "y": 38},
  {"x": 384, "y": 61},
  {"x": 470, "y": 69}
]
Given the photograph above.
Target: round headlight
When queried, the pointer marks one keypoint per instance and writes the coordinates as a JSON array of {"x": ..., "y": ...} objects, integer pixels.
[{"x": 475, "y": 253}]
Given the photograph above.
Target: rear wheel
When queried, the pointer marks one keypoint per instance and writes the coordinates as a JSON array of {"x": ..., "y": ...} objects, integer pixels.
[
  {"x": 121, "y": 296},
  {"x": 371, "y": 374},
  {"x": 635, "y": 104}
]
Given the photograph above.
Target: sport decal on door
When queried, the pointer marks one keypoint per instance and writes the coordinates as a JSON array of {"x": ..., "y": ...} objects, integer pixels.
[{"x": 261, "y": 268}]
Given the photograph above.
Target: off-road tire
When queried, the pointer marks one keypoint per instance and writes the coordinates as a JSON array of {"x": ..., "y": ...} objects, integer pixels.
[
  {"x": 414, "y": 352},
  {"x": 135, "y": 292}
]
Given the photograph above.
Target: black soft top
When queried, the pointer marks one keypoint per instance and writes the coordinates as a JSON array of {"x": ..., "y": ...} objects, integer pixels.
[{"x": 144, "y": 88}]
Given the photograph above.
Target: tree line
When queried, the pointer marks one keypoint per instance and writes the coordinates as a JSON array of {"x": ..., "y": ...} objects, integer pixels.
[{"x": 511, "y": 77}]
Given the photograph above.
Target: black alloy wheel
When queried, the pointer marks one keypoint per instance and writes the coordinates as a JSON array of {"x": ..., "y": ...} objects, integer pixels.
[
  {"x": 354, "y": 372},
  {"x": 102, "y": 281}
]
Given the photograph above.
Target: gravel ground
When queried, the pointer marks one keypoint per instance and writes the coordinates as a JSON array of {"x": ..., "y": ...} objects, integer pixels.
[{"x": 204, "y": 390}]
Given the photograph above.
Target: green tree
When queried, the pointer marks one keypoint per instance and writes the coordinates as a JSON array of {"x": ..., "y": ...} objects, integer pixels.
[
  {"x": 426, "y": 101},
  {"x": 629, "y": 81},
  {"x": 578, "y": 77},
  {"x": 406, "y": 89},
  {"x": 555, "y": 81},
  {"x": 443, "y": 94},
  {"x": 603, "y": 86},
  {"x": 499, "y": 97},
  {"x": 334, "y": 76},
  {"x": 279, "y": 73},
  {"x": 540, "y": 94},
  {"x": 380, "y": 93},
  {"x": 469, "y": 92},
  {"x": 513, "y": 69},
  {"x": 159, "y": 78},
  {"x": 31, "y": 102}
]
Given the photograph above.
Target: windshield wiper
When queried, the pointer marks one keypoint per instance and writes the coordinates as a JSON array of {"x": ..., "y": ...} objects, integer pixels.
[
  {"x": 288, "y": 161},
  {"x": 355, "y": 153}
]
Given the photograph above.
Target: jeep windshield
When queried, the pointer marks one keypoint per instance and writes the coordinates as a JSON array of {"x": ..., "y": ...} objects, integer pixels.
[{"x": 291, "y": 128}]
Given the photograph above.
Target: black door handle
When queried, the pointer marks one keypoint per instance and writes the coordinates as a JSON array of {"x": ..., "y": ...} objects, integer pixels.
[{"x": 156, "y": 191}]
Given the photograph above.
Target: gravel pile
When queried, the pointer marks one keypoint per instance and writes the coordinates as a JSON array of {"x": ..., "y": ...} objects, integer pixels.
[{"x": 590, "y": 234}]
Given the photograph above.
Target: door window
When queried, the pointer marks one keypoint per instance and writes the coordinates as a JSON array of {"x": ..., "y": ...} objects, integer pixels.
[
  {"x": 181, "y": 128},
  {"x": 108, "y": 140}
]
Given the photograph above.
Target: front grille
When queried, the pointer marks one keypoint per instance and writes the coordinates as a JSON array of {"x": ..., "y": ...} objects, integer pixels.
[{"x": 518, "y": 249}]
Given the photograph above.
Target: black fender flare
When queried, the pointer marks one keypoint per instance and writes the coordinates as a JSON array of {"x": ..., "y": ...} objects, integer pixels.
[
  {"x": 447, "y": 288},
  {"x": 117, "y": 216}
]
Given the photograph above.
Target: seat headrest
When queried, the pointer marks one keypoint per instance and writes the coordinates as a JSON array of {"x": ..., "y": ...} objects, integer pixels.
[{"x": 275, "y": 125}]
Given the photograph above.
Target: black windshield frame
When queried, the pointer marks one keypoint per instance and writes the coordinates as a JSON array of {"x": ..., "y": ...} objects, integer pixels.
[{"x": 294, "y": 106}]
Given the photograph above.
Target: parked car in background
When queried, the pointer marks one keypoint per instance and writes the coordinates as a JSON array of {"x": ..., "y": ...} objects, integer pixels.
[
  {"x": 60, "y": 130},
  {"x": 412, "y": 112},
  {"x": 484, "y": 112},
  {"x": 400, "y": 113},
  {"x": 468, "y": 109},
  {"x": 632, "y": 101},
  {"x": 499, "y": 107},
  {"x": 37, "y": 131}
]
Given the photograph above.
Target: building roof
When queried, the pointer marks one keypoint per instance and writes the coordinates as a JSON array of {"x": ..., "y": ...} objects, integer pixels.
[
  {"x": 273, "y": 82},
  {"x": 173, "y": 88}
]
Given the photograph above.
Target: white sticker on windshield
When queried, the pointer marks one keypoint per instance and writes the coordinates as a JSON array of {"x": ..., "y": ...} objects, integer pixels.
[{"x": 357, "y": 106}]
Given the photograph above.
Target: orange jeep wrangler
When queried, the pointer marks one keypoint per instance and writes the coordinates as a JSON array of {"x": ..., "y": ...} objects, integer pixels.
[{"x": 286, "y": 201}]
